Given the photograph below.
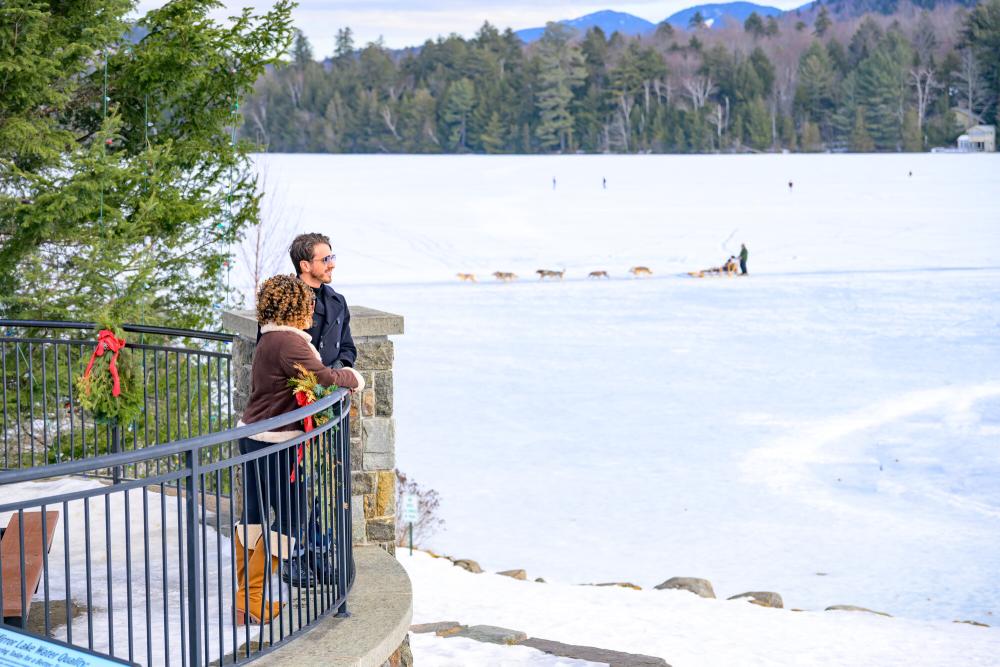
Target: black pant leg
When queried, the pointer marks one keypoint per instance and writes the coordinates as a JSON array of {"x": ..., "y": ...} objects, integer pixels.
[
  {"x": 253, "y": 506},
  {"x": 288, "y": 498}
]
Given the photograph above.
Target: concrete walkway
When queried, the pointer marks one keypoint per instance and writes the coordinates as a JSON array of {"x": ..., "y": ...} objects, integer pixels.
[{"x": 381, "y": 607}]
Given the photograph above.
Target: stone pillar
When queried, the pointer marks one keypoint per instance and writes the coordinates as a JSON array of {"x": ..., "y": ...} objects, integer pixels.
[{"x": 373, "y": 429}]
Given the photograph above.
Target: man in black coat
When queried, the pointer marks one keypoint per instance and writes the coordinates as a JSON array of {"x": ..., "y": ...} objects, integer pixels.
[{"x": 314, "y": 263}]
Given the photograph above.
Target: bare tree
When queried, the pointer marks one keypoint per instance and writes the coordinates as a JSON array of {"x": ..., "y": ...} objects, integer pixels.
[
  {"x": 972, "y": 88},
  {"x": 698, "y": 88},
  {"x": 258, "y": 115},
  {"x": 428, "y": 506},
  {"x": 718, "y": 119},
  {"x": 262, "y": 249},
  {"x": 387, "y": 118},
  {"x": 925, "y": 85},
  {"x": 664, "y": 90},
  {"x": 624, "y": 113}
]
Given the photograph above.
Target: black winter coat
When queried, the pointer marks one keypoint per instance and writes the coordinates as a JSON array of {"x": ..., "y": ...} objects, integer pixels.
[{"x": 331, "y": 329}]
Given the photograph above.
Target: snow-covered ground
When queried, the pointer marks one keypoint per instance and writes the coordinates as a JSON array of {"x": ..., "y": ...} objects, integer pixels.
[
  {"x": 827, "y": 428},
  {"x": 678, "y": 626},
  {"x": 128, "y": 592}
]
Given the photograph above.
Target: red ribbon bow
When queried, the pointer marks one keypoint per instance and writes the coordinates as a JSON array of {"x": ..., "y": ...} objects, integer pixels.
[
  {"x": 302, "y": 398},
  {"x": 107, "y": 342}
]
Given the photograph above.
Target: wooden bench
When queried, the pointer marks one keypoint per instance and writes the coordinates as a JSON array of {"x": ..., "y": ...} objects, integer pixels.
[{"x": 10, "y": 556}]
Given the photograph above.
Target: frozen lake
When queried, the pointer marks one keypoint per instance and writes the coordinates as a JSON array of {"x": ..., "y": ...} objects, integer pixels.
[{"x": 827, "y": 428}]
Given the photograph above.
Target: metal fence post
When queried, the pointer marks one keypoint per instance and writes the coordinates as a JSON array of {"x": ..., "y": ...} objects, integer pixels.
[
  {"x": 194, "y": 646},
  {"x": 345, "y": 549},
  {"x": 116, "y": 446}
]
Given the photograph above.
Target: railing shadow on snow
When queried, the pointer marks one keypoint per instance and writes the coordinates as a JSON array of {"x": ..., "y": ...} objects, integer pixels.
[{"x": 142, "y": 564}]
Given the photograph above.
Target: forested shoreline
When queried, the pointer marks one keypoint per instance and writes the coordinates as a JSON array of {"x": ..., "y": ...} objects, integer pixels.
[{"x": 797, "y": 83}]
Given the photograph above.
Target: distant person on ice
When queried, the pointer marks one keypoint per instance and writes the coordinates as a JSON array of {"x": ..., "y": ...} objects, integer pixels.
[
  {"x": 743, "y": 257},
  {"x": 604, "y": 183},
  {"x": 553, "y": 182},
  {"x": 790, "y": 186}
]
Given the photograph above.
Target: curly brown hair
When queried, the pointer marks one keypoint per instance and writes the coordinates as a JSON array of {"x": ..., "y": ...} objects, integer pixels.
[{"x": 285, "y": 300}]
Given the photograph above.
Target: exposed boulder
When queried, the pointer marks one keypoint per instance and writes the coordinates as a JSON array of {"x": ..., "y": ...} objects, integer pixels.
[
  {"x": 492, "y": 634},
  {"x": 440, "y": 626},
  {"x": 515, "y": 574},
  {"x": 851, "y": 607},
  {"x": 702, "y": 587},
  {"x": 762, "y": 598},
  {"x": 593, "y": 654},
  {"x": 468, "y": 564},
  {"x": 620, "y": 584}
]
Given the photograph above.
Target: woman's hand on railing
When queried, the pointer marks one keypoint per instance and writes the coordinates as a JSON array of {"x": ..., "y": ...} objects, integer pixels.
[{"x": 360, "y": 378}]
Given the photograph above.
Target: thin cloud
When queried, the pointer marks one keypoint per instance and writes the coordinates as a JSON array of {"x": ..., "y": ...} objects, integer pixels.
[{"x": 403, "y": 23}]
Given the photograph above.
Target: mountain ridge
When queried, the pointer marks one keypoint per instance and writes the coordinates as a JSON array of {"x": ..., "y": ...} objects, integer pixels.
[{"x": 611, "y": 21}]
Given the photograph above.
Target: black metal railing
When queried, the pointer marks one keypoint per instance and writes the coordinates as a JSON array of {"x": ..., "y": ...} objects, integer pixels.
[
  {"x": 186, "y": 375},
  {"x": 143, "y": 562}
]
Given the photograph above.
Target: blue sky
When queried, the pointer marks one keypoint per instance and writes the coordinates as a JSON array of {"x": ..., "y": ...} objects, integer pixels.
[{"x": 410, "y": 22}]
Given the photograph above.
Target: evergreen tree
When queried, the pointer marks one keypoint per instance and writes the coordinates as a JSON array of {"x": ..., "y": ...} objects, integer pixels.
[
  {"x": 816, "y": 94},
  {"x": 811, "y": 142},
  {"x": 120, "y": 185},
  {"x": 772, "y": 29},
  {"x": 866, "y": 40},
  {"x": 697, "y": 21},
  {"x": 913, "y": 140},
  {"x": 822, "y": 23},
  {"x": 492, "y": 138},
  {"x": 458, "y": 104},
  {"x": 755, "y": 25},
  {"x": 758, "y": 125},
  {"x": 302, "y": 53},
  {"x": 787, "y": 132},
  {"x": 861, "y": 141},
  {"x": 344, "y": 44},
  {"x": 882, "y": 85},
  {"x": 561, "y": 70},
  {"x": 981, "y": 35}
]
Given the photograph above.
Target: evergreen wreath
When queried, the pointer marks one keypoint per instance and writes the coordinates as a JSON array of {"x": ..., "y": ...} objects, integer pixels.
[{"x": 97, "y": 385}]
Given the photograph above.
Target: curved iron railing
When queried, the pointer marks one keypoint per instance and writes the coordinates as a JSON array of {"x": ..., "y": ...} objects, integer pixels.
[{"x": 145, "y": 568}]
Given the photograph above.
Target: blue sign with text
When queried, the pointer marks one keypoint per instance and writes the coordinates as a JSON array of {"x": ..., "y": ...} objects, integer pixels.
[{"x": 19, "y": 649}]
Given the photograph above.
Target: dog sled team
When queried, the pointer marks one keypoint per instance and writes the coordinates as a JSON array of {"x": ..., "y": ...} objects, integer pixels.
[
  {"x": 729, "y": 268},
  {"x": 735, "y": 265}
]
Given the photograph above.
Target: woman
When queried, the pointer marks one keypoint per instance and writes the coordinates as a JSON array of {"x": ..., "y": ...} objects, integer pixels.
[{"x": 284, "y": 311}]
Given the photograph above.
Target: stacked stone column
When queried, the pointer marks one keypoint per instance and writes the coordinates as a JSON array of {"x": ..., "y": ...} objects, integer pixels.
[{"x": 373, "y": 429}]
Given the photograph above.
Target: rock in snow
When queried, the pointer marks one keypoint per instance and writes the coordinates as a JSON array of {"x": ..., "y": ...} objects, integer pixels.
[
  {"x": 762, "y": 598},
  {"x": 851, "y": 607},
  {"x": 467, "y": 564},
  {"x": 515, "y": 574},
  {"x": 702, "y": 587}
]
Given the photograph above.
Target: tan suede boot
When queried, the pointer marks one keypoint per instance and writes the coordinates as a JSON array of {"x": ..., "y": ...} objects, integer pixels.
[{"x": 250, "y": 583}]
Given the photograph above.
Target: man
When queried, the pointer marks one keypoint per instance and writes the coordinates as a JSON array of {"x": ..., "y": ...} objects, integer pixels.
[
  {"x": 330, "y": 332},
  {"x": 743, "y": 259},
  {"x": 314, "y": 263}
]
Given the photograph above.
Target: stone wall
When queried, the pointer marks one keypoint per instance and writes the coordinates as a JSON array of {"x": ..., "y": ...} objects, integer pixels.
[{"x": 373, "y": 428}]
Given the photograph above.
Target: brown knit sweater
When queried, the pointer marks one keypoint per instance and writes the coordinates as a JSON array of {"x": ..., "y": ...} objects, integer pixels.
[{"x": 279, "y": 349}]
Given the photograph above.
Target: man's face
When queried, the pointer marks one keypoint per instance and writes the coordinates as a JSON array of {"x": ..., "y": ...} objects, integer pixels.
[{"x": 323, "y": 263}]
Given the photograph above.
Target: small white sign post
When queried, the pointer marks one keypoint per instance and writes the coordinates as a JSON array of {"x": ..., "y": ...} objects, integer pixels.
[{"x": 410, "y": 515}]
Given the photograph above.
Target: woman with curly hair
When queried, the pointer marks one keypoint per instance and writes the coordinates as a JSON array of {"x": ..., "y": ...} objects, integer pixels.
[{"x": 284, "y": 311}]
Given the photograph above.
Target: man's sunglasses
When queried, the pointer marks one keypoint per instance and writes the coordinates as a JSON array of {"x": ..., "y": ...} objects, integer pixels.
[{"x": 329, "y": 259}]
